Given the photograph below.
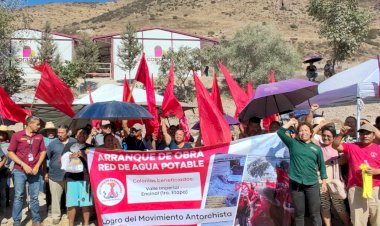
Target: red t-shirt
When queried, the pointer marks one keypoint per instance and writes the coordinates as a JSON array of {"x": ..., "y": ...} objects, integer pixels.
[
  {"x": 356, "y": 156},
  {"x": 22, "y": 144}
]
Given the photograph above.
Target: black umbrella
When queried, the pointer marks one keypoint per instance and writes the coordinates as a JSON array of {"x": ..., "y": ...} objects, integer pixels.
[
  {"x": 113, "y": 110},
  {"x": 312, "y": 59},
  {"x": 279, "y": 97}
]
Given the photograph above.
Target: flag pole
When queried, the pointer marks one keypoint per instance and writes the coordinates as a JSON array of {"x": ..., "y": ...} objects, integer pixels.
[
  {"x": 34, "y": 100},
  {"x": 130, "y": 94}
]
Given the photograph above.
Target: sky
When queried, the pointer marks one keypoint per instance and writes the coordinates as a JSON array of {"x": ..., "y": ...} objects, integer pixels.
[{"x": 39, "y": 2}]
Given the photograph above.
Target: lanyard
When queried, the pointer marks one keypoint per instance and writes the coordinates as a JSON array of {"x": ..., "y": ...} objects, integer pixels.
[{"x": 30, "y": 142}]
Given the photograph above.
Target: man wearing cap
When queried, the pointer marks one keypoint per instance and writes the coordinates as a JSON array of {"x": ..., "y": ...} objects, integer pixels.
[
  {"x": 56, "y": 174},
  {"x": 106, "y": 128},
  {"x": 365, "y": 151},
  {"x": 27, "y": 150}
]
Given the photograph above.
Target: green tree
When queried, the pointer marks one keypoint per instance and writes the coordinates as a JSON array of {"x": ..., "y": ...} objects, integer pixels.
[
  {"x": 343, "y": 23},
  {"x": 11, "y": 18},
  {"x": 86, "y": 56},
  {"x": 130, "y": 49},
  {"x": 185, "y": 59},
  {"x": 47, "y": 51},
  {"x": 69, "y": 73},
  {"x": 253, "y": 52}
]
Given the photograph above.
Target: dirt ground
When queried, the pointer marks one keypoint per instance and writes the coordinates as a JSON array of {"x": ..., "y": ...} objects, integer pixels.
[{"x": 47, "y": 220}]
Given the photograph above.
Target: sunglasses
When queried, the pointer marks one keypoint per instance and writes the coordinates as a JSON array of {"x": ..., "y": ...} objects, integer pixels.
[{"x": 291, "y": 131}]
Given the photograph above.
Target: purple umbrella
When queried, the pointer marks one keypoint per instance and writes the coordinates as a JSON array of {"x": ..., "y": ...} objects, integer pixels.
[
  {"x": 230, "y": 120},
  {"x": 279, "y": 97},
  {"x": 312, "y": 59}
]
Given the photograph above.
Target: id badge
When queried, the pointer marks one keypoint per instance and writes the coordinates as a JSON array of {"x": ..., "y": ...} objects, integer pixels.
[{"x": 30, "y": 157}]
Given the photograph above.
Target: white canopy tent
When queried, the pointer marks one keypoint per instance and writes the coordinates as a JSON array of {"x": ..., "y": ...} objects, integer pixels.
[
  {"x": 109, "y": 92},
  {"x": 359, "y": 83}
]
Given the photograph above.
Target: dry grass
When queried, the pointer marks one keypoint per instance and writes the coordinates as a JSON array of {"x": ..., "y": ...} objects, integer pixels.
[{"x": 214, "y": 18}]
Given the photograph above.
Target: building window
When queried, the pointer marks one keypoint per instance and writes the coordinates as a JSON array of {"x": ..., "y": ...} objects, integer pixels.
[{"x": 157, "y": 51}]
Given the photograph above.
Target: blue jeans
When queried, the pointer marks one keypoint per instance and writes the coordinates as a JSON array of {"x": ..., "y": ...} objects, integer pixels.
[
  {"x": 20, "y": 179},
  {"x": 301, "y": 193}
]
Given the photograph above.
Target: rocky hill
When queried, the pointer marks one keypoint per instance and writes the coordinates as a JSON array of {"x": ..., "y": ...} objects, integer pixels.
[{"x": 212, "y": 18}]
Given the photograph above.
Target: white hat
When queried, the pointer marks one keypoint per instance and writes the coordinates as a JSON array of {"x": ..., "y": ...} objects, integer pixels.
[
  {"x": 106, "y": 122},
  {"x": 138, "y": 126}
]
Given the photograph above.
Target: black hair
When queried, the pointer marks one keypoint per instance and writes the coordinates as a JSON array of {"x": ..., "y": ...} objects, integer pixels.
[
  {"x": 66, "y": 127},
  {"x": 331, "y": 129},
  {"x": 255, "y": 120},
  {"x": 275, "y": 122},
  {"x": 305, "y": 124}
]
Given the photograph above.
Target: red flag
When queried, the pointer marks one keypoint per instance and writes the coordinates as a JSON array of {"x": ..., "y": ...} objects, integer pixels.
[
  {"x": 250, "y": 90},
  {"x": 215, "y": 94},
  {"x": 127, "y": 91},
  {"x": 239, "y": 96},
  {"x": 271, "y": 77},
  {"x": 94, "y": 123},
  {"x": 170, "y": 104},
  {"x": 184, "y": 125},
  {"x": 214, "y": 127},
  {"x": 89, "y": 94},
  {"x": 54, "y": 91},
  {"x": 142, "y": 75},
  {"x": 10, "y": 110},
  {"x": 269, "y": 119},
  {"x": 378, "y": 61}
]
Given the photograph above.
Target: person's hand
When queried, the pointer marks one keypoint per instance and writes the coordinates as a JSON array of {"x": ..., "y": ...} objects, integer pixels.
[
  {"x": 46, "y": 177},
  {"x": 371, "y": 171},
  {"x": 154, "y": 137},
  {"x": 314, "y": 107},
  {"x": 35, "y": 170},
  {"x": 324, "y": 187},
  {"x": 26, "y": 168},
  {"x": 93, "y": 131},
  {"x": 344, "y": 130},
  {"x": 293, "y": 121},
  {"x": 74, "y": 155}
]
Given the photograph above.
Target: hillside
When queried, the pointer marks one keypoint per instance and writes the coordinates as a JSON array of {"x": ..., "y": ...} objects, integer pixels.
[{"x": 212, "y": 18}]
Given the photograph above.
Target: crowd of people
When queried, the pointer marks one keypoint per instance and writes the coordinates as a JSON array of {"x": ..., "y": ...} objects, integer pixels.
[{"x": 319, "y": 152}]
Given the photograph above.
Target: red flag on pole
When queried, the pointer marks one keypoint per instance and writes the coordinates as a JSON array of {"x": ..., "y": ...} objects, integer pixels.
[
  {"x": 94, "y": 123},
  {"x": 214, "y": 127},
  {"x": 10, "y": 110},
  {"x": 142, "y": 75},
  {"x": 215, "y": 94},
  {"x": 54, "y": 91},
  {"x": 269, "y": 119},
  {"x": 250, "y": 90},
  {"x": 239, "y": 95},
  {"x": 170, "y": 104},
  {"x": 127, "y": 91}
]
